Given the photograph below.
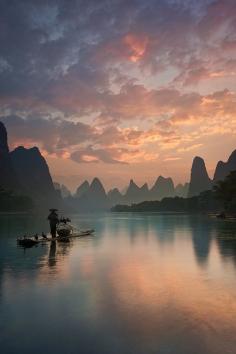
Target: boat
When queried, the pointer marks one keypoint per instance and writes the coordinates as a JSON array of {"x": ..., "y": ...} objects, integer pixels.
[
  {"x": 64, "y": 239},
  {"x": 221, "y": 215},
  {"x": 75, "y": 234},
  {"x": 82, "y": 233},
  {"x": 31, "y": 241},
  {"x": 27, "y": 242}
]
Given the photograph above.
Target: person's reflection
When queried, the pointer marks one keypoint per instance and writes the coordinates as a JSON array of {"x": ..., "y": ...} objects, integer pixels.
[{"x": 52, "y": 254}]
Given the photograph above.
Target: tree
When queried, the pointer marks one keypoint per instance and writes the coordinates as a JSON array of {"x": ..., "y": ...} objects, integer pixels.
[
  {"x": 10, "y": 202},
  {"x": 225, "y": 191}
]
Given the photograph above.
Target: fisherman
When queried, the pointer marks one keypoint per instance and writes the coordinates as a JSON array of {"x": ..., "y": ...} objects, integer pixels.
[{"x": 53, "y": 221}]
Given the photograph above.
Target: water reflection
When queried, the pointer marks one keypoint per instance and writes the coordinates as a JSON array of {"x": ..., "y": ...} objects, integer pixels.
[
  {"x": 225, "y": 235},
  {"x": 52, "y": 254},
  {"x": 143, "y": 284},
  {"x": 202, "y": 233}
]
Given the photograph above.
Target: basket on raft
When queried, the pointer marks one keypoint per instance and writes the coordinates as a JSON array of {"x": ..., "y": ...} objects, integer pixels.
[{"x": 64, "y": 230}]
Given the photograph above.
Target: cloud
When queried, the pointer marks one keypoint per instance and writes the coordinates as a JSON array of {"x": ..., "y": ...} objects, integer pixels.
[
  {"x": 172, "y": 120},
  {"x": 47, "y": 49},
  {"x": 172, "y": 158},
  {"x": 74, "y": 140},
  {"x": 119, "y": 81},
  {"x": 189, "y": 148},
  {"x": 91, "y": 155},
  {"x": 52, "y": 135}
]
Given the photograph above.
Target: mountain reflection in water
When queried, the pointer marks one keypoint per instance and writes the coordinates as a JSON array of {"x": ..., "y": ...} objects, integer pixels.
[{"x": 145, "y": 283}]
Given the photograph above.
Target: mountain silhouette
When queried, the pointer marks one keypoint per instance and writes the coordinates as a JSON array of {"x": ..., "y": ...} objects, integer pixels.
[
  {"x": 62, "y": 189},
  {"x": 144, "y": 192},
  {"x": 224, "y": 168},
  {"x": 83, "y": 188},
  {"x": 65, "y": 192},
  {"x": 114, "y": 197},
  {"x": 93, "y": 199},
  {"x": 26, "y": 172},
  {"x": 135, "y": 194},
  {"x": 199, "y": 180},
  {"x": 162, "y": 188},
  {"x": 181, "y": 190},
  {"x": 34, "y": 177},
  {"x": 131, "y": 193},
  {"x": 8, "y": 178}
]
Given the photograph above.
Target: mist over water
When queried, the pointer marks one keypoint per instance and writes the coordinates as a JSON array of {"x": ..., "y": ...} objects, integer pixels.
[{"x": 144, "y": 283}]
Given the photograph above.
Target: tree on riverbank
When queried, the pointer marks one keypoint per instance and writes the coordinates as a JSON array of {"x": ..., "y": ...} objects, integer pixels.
[
  {"x": 225, "y": 192},
  {"x": 10, "y": 202}
]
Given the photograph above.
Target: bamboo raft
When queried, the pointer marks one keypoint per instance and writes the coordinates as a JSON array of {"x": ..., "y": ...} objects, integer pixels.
[{"x": 32, "y": 241}]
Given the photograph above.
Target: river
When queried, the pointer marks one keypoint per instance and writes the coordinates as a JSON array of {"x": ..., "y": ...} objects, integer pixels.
[{"x": 143, "y": 284}]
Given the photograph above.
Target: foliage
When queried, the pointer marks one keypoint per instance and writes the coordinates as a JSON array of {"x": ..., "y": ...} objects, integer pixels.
[
  {"x": 225, "y": 191},
  {"x": 10, "y": 202},
  {"x": 176, "y": 204},
  {"x": 205, "y": 202}
]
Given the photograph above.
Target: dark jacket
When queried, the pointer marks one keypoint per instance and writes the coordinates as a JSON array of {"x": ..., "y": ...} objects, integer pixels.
[{"x": 53, "y": 219}]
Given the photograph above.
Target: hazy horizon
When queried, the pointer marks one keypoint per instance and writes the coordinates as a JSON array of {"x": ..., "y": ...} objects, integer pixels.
[{"x": 113, "y": 181}]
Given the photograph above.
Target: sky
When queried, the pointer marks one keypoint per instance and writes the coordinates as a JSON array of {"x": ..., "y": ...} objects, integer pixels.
[{"x": 119, "y": 89}]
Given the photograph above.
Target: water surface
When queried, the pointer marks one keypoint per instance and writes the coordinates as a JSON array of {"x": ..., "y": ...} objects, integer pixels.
[{"x": 145, "y": 283}]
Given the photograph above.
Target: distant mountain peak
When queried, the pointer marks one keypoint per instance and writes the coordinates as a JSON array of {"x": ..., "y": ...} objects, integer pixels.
[
  {"x": 4, "y": 149},
  {"x": 96, "y": 182},
  {"x": 114, "y": 190},
  {"x": 33, "y": 173},
  {"x": 145, "y": 186},
  {"x": 132, "y": 183},
  {"x": 114, "y": 196},
  {"x": 97, "y": 186},
  {"x": 181, "y": 190},
  {"x": 163, "y": 187},
  {"x": 198, "y": 161},
  {"x": 85, "y": 183},
  {"x": 83, "y": 188},
  {"x": 199, "y": 180},
  {"x": 134, "y": 193},
  {"x": 8, "y": 178},
  {"x": 92, "y": 199},
  {"x": 65, "y": 192},
  {"x": 224, "y": 168},
  {"x": 33, "y": 151},
  {"x": 232, "y": 157}
]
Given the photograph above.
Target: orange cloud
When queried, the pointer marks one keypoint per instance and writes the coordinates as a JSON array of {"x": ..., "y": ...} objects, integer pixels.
[
  {"x": 137, "y": 45},
  {"x": 143, "y": 123},
  {"x": 131, "y": 47}
]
